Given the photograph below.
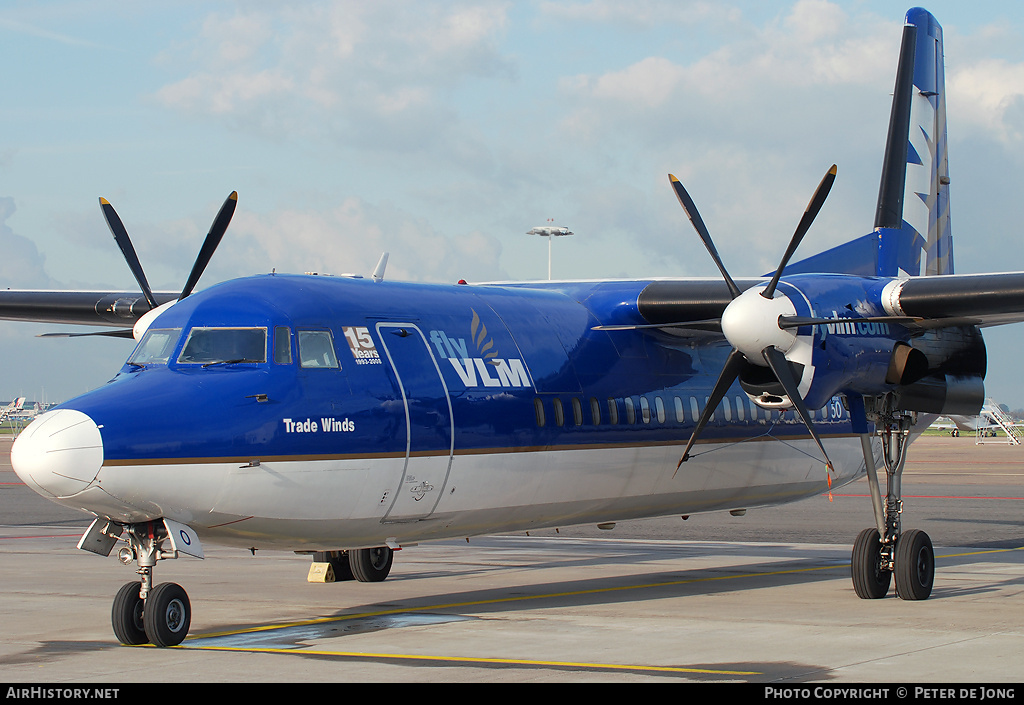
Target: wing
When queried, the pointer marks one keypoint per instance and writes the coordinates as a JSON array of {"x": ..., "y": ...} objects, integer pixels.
[
  {"x": 958, "y": 299},
  {"x": 92, "y": 308}
]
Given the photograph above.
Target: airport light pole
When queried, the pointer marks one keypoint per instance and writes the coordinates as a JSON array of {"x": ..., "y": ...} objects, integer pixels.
[{"x": 550, "y": 232}]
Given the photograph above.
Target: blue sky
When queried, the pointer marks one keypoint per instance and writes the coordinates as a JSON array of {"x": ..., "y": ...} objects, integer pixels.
[{"x": 442, "y": 132}]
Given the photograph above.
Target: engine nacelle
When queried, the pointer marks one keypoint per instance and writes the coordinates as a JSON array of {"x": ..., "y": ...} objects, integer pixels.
[
  {"x": 936, "y": 370},
  {"x": 943, "y": 394}
]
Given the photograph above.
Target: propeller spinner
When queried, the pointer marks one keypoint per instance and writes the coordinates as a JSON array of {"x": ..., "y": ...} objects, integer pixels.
[{"x": 751, "y": 321}]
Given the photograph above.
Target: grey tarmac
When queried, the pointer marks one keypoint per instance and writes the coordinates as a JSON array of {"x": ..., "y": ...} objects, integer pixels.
[{"x": 763, "y": 598}]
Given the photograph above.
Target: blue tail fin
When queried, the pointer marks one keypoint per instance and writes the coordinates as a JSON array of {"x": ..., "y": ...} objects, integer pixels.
[{"x": 912, "y": 228}]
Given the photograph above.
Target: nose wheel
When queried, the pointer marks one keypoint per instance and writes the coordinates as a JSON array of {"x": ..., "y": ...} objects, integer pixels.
[
  {"x": 162, "y": 619},
  {"x": 141, "y": 613},
  {"x": 126, "y": 615}
]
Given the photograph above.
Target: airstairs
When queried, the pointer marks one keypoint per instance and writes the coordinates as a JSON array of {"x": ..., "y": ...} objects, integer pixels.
[{"x": 998, "y": 417}]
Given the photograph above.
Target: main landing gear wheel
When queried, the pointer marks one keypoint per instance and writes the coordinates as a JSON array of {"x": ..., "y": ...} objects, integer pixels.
[
  {"x": 915, "y": 565},
  {"x": 126, "y": 615},
  {"x": 870, "y": 579},
  {"x": 339, "y": 561},
  {"x": 371, "y": 565},
  {"x": 167, "y": 615}
]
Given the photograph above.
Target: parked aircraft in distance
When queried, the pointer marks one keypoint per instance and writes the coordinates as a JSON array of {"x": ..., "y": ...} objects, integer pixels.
[{"x": 349, "y": 416}]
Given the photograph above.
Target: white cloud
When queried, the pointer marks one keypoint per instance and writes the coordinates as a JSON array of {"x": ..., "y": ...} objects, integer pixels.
[
  {"x": 813, "y": 47},
  {"x": 350, "y": 237},
  {"x": 21, "y": 265},
  {"x": 334, "y": 71},
  {"x": 639, "y": 14},
  {"x": 989, "y": 94}
]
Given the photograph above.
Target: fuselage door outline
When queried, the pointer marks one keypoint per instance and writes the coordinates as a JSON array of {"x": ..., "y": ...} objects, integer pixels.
[{"x": 424, "y": 476}]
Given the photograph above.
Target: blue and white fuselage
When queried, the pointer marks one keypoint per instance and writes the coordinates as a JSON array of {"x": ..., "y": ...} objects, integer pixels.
[{"x": 438, "y": 411}]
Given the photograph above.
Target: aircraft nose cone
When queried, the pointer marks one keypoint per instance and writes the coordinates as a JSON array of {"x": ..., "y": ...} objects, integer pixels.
[{"x": 59, "y": 453}]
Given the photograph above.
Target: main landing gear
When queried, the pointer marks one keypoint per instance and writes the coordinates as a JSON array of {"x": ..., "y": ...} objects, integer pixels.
[
  {"x": 142, "y": 613},
  {"x": 367, "y": 565},
  {"x": 885, "y": 551}
]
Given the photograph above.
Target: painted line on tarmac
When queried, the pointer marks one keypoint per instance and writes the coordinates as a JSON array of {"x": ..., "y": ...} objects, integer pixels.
[
  {"x": 196, "y": 642},
  {"x": 517, "y": 598},
  {"x": 471, "y": 660}
]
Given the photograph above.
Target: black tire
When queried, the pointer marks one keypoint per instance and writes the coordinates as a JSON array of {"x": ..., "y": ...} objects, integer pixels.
[
  {"x": 126, "y": 615},
  {"x": 167, "y": 615},
  {"x": 371, "y": 565},
  {"x": 870, "y": 582},
  {"x": 339, "y": 564},
  {"x": 915, "y": 565}
]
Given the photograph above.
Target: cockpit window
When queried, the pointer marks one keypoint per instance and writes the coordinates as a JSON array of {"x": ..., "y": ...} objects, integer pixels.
[
  {"x": 209, "y": 346},
  {"x": 316, "y": 349},
  {"x": 283, "y": 345},
  {"x": 155, "y": 348}
]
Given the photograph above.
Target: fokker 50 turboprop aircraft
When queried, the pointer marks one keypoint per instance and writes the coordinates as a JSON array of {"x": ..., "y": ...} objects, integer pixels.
[{"x": 354, "y": 416}]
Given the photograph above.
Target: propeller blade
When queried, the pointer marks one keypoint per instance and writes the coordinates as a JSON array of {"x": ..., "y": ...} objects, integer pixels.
[
  {"x": 220, "y": 225},
  {"x": 776, "y": 359},
  {"x": 709, "y": 324},
  {"x": 730, "y": 371},
  {"x": 811, "y": 212},
  {"x": 798, "y": 321},
  {"x": 691, "y": 212},
  {"x": 119, "y": 333},
  {"x": 120, "y": 234}
]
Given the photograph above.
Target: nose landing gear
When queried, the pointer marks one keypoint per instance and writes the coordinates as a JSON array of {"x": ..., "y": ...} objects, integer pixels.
[{"x": 141, "y": 613}]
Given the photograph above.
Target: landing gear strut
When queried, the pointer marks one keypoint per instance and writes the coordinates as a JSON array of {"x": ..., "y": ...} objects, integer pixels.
[{"x": 885, "y": 551}]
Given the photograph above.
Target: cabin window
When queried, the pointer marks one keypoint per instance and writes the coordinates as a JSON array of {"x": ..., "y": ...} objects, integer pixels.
[
  {"x": 630, "y": 410},
  {"x": 538, "y": 410},
  {"x": 740, "y": 413},
  {"x": 156, "y": 347},
  {"x": 659, "y": 409},
  {"x": 559, "y": 413},
  {"x": 613, "y": 412},
  {"x": 694, "y": 411},
  {"x": 728, "y": 408},
  {"x": 680, "y": 417},
  {"x": 211, "y": 346},
  {"x": 283, "y": 345},
  {"x": 645, "y": 410},
  {"x": 595, "y": 411},
  {"x": 577, "y": 411},
  {"x": 316, "y": 349}
]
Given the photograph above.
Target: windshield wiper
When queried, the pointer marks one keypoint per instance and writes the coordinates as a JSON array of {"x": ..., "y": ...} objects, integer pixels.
[{"x": 230, "y": 362}]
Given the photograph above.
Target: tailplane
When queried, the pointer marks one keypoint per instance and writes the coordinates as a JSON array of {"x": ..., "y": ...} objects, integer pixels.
[{"x": 912, "y": 233}]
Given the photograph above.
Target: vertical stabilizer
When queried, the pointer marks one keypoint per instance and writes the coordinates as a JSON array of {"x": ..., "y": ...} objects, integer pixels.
[{"x": 912, "y": 217}]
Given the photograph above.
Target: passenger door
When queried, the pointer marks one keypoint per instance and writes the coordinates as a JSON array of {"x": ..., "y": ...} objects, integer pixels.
[{"x": 427, "y": 409}]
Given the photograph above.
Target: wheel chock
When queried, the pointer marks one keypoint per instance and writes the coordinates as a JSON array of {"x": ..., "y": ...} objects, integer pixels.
[{"x": 320, "y": 573}]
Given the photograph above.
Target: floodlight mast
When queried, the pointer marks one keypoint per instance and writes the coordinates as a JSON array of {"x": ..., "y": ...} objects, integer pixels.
[{"x": 549, "y": 231}]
